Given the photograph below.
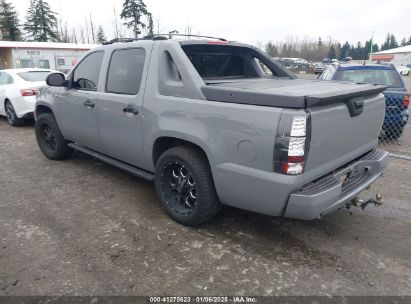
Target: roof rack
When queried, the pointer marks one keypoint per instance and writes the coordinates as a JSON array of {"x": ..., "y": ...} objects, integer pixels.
[
  {"x": 158, "y": 37},
  {"x": 115, "y": 40},
  {"x": 170, "y": 35}
]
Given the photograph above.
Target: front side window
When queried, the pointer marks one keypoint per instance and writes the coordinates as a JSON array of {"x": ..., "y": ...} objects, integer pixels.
[
  {"x": 125, "y": 71},
  {"x": 87, "y": 73}
]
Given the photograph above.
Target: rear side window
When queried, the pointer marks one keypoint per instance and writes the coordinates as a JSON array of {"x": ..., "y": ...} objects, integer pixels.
[
  {"x": 224, "y": 61},
  {"x": 34, "y": 76},
  {"x": 87, "y": 73},
  {"x": 386, "y": 77},
  {"x": 125, "y": 71},
  {"x": 218, "y": 65},
  {"x": 5, "y": 78}
]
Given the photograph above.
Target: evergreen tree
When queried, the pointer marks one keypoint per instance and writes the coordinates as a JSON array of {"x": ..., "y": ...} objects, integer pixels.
[
  {"x": 345, "y": 51},
  {"x": 393, "y": 42},
  {"x": 271, "y": 49},
  {"x": 386, "y": 44},
  {"x": 101, "y": 36},
  {"x": 331, "y": 52},
  {"x": 133, "y": 13},
  {"x": 403, "y": 42},
  {"x": 9, "y": 22},
  {"x": 41, "y": 24},
  {"x": 150, "y": 25}
]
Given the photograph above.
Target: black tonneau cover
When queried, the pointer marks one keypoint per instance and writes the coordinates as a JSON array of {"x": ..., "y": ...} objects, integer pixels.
[{"x": 286, "y": 93}]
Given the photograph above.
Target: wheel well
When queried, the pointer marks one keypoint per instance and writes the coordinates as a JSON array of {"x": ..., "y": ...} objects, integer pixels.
[
  {"x": 163, "y": 144},
  {"x": 42, "y": 109}
]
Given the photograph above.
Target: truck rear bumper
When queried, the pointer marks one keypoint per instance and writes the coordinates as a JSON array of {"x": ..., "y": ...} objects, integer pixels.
[{"x": 333, "y": 191}]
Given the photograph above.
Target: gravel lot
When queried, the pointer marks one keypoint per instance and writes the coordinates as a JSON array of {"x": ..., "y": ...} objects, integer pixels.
[{"x": 80, "y": 227}]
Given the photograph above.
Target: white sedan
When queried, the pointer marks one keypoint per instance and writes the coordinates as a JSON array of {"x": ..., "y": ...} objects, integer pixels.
[{"x": 18, "y": 88}]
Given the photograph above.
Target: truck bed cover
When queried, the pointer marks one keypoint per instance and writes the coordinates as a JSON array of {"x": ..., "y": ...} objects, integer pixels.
[{"x": 287, "y": 93}]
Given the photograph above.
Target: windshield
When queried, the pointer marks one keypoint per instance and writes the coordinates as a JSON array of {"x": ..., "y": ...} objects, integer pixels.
[
  {"x": 33, "y": 76},
  {"x": 386, "y": 77}
]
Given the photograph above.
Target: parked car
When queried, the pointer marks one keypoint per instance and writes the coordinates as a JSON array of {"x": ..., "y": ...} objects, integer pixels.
[
  {"x": 18, "y": 88},
  {"x": 319, "y": 68},
  {"x": 403, "y": 70},
  {"x": 396, "y": 96},
  {"x": 207, "y": 124}
]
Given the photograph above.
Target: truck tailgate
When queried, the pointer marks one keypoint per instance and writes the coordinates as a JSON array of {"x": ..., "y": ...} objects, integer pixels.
[
  {"x": 337, "y": 137},
  {"x": 346, "y": 118}
]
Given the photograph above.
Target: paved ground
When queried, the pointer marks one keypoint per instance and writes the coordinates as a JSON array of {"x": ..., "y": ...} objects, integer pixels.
[{"x": 79, "y": 227}]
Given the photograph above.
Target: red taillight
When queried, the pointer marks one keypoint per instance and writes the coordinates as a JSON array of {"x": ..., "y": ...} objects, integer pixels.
[
  {"x": 295, "y": 159},
  {"x": 406, "y": 101},
  {"x": 28, "y": 92},
  {"x": 291, "y": 147}
]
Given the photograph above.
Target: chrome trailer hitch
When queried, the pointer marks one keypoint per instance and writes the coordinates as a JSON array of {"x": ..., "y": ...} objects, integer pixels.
[{"x": 357, "y": 202}]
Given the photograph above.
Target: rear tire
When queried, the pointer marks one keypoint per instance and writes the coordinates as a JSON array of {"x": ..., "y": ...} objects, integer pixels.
[
  {"x": 185, "y": 186},
  {"x": 11, "y": 115},
  {"x": 49, "y": 138}
]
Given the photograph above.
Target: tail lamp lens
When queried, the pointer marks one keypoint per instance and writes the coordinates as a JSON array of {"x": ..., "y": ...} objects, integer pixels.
[
  {"x": 406, "y": 101},
  {"x": 28, "y": 92},
  {"x": 291, "y": 146}
]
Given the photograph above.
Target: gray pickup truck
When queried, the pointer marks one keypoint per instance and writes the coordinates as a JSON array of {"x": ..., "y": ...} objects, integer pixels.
[{"x": 214, "y": 122}]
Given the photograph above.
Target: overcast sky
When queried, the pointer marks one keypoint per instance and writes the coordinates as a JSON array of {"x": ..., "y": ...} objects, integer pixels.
[{"x": 352, "y": 20}]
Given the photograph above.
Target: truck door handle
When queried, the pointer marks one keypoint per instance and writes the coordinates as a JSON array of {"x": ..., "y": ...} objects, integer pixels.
[
  {"x": 131, "y": 109},
  {"x": 89, "y": 103}
]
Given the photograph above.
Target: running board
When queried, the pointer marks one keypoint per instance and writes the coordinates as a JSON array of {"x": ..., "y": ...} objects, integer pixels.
[{"x": 113, "y": 162}]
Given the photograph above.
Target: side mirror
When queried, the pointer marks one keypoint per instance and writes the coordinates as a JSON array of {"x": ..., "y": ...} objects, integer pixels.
[{"x": 56, "y": 80}]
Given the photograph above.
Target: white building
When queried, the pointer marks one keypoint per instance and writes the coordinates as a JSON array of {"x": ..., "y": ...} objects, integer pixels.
[
  {"x": 50, "y": 55},
  {"x": 400, "y": 55}
]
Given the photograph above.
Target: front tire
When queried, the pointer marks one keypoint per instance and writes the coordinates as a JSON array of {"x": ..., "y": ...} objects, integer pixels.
[
  {"x": 185, "y": 186},
  {"x": 49, "y": 138},
  {"x": 11, "y": 115}
]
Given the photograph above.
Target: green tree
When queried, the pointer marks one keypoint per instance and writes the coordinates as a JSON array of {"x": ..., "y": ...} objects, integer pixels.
[
  {"x": 345, "y": 51},
  {"x": 393, "y": 42},
  {"x": 386, "y": 44},
  {"x": 41, "y": 22},
  {"x": 271, "y": 49},
  {"x": 150, "y": 27},
  {"x": 101, "y": 36},
  {"x": 9, "y": 22},
  {"x": 133, "y": 13},
  {"x": 331, "y": 52}
]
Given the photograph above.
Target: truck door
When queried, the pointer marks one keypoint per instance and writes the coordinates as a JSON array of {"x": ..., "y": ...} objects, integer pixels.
[
  {"x": 76, "y": 106},
  {"x": 120, "y": 111}
]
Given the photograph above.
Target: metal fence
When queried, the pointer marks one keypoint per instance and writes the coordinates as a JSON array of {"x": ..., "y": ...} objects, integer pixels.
[{"x": 395, "y": 135}]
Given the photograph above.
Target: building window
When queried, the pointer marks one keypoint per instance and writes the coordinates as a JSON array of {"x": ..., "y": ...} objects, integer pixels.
[
  {"x": 24, "y": 63},
  {"x": 61, "y": 61},
  {"x": 44, "y": 64}
]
